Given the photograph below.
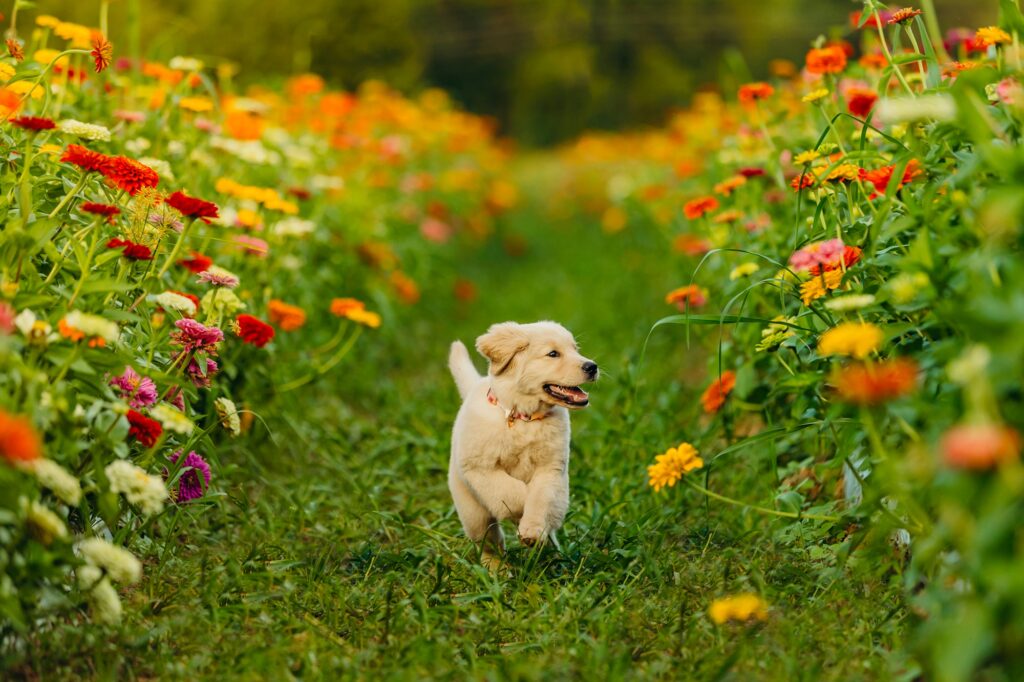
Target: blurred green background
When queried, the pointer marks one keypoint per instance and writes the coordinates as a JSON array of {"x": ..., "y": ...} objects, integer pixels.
[{"x": 545, "y": 69}]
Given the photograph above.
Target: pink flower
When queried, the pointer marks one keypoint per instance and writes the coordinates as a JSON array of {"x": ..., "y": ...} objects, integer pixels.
[
  {"x": 138, "y": 390},
  {"x": 7, "y": 315},
  {"x": 218, "y": 278},
  {"x": 817, "y": 253},
  {"x": 199, "y": 378},
  {"x": 193, "y": 336},
  {"x": 130, "y": 116},
  {"x": 252, "y": 246},
  {"x": 190, "y": 487},
  {"x": 435, "y": 230},
  {"x": 207, "y": 126}
]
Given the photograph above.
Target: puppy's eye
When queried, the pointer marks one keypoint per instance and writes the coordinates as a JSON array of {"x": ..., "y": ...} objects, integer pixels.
[{"x": 554, "y": 354}]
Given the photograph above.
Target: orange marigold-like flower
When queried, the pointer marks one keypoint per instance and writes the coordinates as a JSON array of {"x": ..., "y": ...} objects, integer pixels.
[
  {"x": 86, "y": 159},
  {"x": 978, "y": 447},
  {"x": 102, "y": 52},
  {"x": 19, "y": 441},
  {"x": 851, "y": 256},
  {"x": 130, "y": 175},
  {"x": 727, "y": 186},
  {"x": 991, "y": 35},
  {"x": 873, "y": 60},
  {"x": 698, "y": 207},
  {"x": 691, "y": 295},
  {"x": 880, "y": 177},
  {"x": 343, "y": 306},
  {"x": 715, "y": 394},
  {"x": 14, "y": 49},
  {"x": 691, "y": 244},
  {"x": 286, "y": 316},
  {"x": 405, "y": 287},
  {"x": 829, "y": 59},
  {"x": 752, "y": 92},
  {"x": 875, "y": 383},
  {"x": 903, "y": 15}
]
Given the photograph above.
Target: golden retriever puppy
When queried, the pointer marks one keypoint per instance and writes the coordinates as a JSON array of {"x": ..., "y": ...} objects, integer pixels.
[{"x": 510, "y": 443}]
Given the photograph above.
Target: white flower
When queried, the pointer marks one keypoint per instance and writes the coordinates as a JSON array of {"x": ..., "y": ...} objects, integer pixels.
[
  {"x": 169, "y": 300},
  {"x": 86, "y": 131},
  {"x": 185, "y": 64},
  {"x": 56, "y": 478},
  {"x": 176, "y": 148},
  {"x": 228, "y": 414},
  {"x": 971, "y": 364},
  {"x": 139, "y": 488},
  {"x": 172, "y": 419},
  {"x": 106, "y": 605},
  {"x": 93, "y": 325},
  {"x": 851, "y": 302},
  {"x": 250, "y": 151},
  {"x": 34, "y": 329},
  {"x": 162, "y": 168},
  {"x": 120, "y": 564},
  {"x": 920, "y": 108},
  {"x": 138, "y": 145},
  {"x": 44, "y": 525},
  {"x": 294, "y": 227},
  {"x": 327, "y": 182}
]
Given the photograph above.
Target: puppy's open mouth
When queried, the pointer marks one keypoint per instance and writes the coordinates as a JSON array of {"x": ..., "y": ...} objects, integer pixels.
[{"x": 573, "y": 396}]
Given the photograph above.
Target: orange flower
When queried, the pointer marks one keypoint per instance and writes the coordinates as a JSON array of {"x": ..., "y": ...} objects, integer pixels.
[
  {"x": 286, "y": 316},
  {"x": 19, "y": 442},
  {"x": 752, "y": 92},
  {"x": 726, "y": 187},
  {"x": 979, "y": 446},
  {"x": 698, "y": 207},
  {"x": 102, "y": 52},
  {"x": 690, "y": 295},
  {"x": 829, "y": 59},
  {"x": 465, "y": 290},
  {"x": 68, "y": 332},
  {"x": 343, "y": 306},
  {"x": 875, "y": 383},
  {"x": 874, "y": 60},
  {"x": 715, "y": 394},
  {"x": 691, "y": 244},
  {"x": 405, "y": 287},
  {"x": 902, "y": 15},
  {"x": 14, "y": 49}
]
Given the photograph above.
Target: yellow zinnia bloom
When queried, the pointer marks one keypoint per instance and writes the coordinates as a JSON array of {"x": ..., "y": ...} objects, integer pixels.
[
  {"x": 6, "y": 71},
  {"x": 992, "y": 35},
  {"x": 818, "y": 286},
  {"x": 21, "y": 87},
  {"x": 743, "y": 270},
  {"x": 804, "y": 158},
  {"x": 670, "y": 467},
  {"x": 816, "y": 95},
  {"x": 856, "y": 339},
  {"x": 47, "y": 21},
  {"x": 196, "y": 104},
  {"x": 363, "y": 316},
  {"x": 741, "y": 607}
]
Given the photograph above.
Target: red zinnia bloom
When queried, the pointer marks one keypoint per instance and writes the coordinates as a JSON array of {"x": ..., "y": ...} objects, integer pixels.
[
  {"x": 876, "y": 383},
  {"x": 880, "y": 177},
  {"x": 300, "y": 193},
  {"x": 132, "y": 250},
  {"x": 803, "y": 181},
  {"x": 698, "y": 207},
  {"x": 830, "y": 59},
  {"x": 751, "y": 172},
  {"x": 715, "y": 394},
  {"x": 979, "y": 446},
  {"x": 752, "y": 92},
  {"x": 190, "y": 207},
  {"x": 197, "y": 263},
  {"x": 851, "y": 256},
  {"x": 254, "y": 331},
  {"x": 86, "y": 159},
  {"x": 860, "y": 101},
  {"x": 107, "y": 210},
  {"x": 102, "y": 52},
  {"x": 130, "y": 175},
  {"x": 144, "y": 429},
  {"x": 34, "y": 123}
]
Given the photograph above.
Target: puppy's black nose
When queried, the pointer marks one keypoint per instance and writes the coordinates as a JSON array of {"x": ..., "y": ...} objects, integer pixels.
[{"x": 590, "y": 368}]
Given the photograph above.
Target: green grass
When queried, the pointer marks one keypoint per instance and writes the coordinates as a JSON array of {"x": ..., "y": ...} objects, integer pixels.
[{"x": 332, "y": 549}]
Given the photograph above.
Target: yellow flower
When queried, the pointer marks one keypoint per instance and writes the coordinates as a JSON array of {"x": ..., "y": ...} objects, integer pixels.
[
  {"x": 670, "y": 467},
  {"x": 46, "y": 56},
  {"x": 992, "y": 35},
  {"x": 47, "y": 21},
  {"x": 51, "y": 149},
  {"x": 743, "y": 270},
  {"x": 6, "y": 71},
  {"x": 804, "y": 158},
  {"x": 614, "y": 219},
  {"x": 818, "y": 286},
  {"x": 741, "y": 607},
  {"x": 196, "y": 104},
  {"x": 362, "y": 316},
  {"x": 814, "y": 96},
  {"x": 248, "y": 218},
  {"x": 844, "y": 172},
  {"x": 21, "y": 87},
  {"x": 856, "y": 339}
]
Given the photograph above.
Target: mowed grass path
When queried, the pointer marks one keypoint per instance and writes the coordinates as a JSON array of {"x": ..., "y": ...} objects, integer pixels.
[{"x": 334, "y": 552}]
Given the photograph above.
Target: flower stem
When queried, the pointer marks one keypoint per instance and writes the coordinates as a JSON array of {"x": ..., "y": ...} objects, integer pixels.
[
  {"x": 177, "y": 248},
  {"x": 763, "y": 510},
  {"x": 70, "y": 195}
]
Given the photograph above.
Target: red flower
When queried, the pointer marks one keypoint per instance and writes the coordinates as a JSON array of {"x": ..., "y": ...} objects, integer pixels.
[
  {"x": 860, "y": 101},
  {"x": 34, "y": 123},
  {"x": 130, "y": 175},
  {"x": 851, "y": 256},
  {"x": 875, "y": 383},
  {"x": 197, "y": 263},
  {"x": 752, "y": 92},
  {"x": 715, "y": 394},
  {"x": 144, "y": 429},
  {"x": 14, "y": 49},
  {"x": 106, "y": 210},
  {"x": 830, "y": 59},
  {"x": 880, "y": 177},
  {"x": 102, "y": 52},
  {"x": 86, "y": 159},
  {"x": 751, "y": 172},
  {"x": 132, "y": 250},
  {"x": 698, "y": 207},
  {"x": 300, "y": 193},
  {"x": 254, "y": 331},
  {"x": 190, "y": 207}
]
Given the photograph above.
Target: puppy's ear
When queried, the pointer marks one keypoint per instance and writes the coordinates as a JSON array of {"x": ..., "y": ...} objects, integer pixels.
[{"x": 500, "y": 345}]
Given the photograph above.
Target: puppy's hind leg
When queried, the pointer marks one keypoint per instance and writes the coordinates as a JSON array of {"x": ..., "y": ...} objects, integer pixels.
[{"x": 479, "y": 524}]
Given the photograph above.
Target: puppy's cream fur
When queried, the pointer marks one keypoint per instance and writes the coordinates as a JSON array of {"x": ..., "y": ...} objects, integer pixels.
[{"x": 518, "y": 472}]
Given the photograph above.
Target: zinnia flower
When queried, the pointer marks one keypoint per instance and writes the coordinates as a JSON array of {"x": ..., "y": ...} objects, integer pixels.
[
  {"x": 850, "y": 256},
  {"x": 218, "y": 277},
  {"x": 991, "y": 35},
  {"x": 86, "y": 131},
  {"x": 138, "y": 390},
  {"x": 691, "y": 244},
  {"x": 816, "y": 253},
  {"x": 741, "y": 608},
  {"x": 977, "y": 447},
  {"x": 130, "y": 175},
  {"x": 131, "y": 250},
  {"x": 254, "y": 331},
  {"x": 856, "y": 339},
  {"x": 715, "y": 394},
  {"x": 698, "y": 207},
  {"x": 286, "y": 316},
  {"x": 108, "y": 211},
  {"x": 86, "y": 159},
  {"x": 14, "y": 49},
  {"x": 201, "y": 375},
  {"x": 902, "y": 15},
  {"x": 820, "y": 284},
  {"x": 691, "y": 295},
  {"x": 190, "y": 486},
  {"x": 144, "y": 429},
  {"x": 875, "y": 383},
  {"x": 19, "y": 441},
  {"x": 859, "y": 101},
  {"x": 191, "y": 207},
  {"x": 138, "y": 487},
  {"x": 752, "y": 92},
  {"x": 194, "y": 336},
  {"x": 881, "y": 177},
  {"x": 102, "y": 52},
  {"x": 33, "y": 123},
  {"x": 668, "y": 468},
  {"x": 829, "y": 59},
  {"x": 197, "y": 263}
]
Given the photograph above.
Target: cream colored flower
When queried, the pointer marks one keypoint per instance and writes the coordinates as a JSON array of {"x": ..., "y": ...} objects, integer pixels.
[
  {"x": 172, "y": 419},
  {"x": 57, "y": 479},
  {"x": 169, "y": 300},
  {"x": 42, "y": 523},
  {"x": 120, "y": 564},
  {"x": 86, "y": 131},
  {"x": 103, "y": 599},
  {"x": 228, "y": 414},
  {"x": 139, "y": 488}
]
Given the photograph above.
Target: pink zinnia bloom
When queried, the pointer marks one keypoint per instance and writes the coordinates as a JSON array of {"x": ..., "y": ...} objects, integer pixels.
[
  {"x": 193, "y": 336},
  {"x": 7, "y": 315},
  {"x": 435, "y": 230},
  {"x": 818, "y": 253},
  {"x": 138, "y": 390},
  {"x": 190, "y": 487},
  {"x": 218, "y": 279},
  {"x": 130, "y": 116},
  {"x": 207, "y": 126},
  {"x": 252, "y": 245},
  {"x": 199, "y": 379}
]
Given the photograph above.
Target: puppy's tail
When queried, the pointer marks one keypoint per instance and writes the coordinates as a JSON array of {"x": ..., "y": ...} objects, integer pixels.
[{"x": 462, "y": 368}]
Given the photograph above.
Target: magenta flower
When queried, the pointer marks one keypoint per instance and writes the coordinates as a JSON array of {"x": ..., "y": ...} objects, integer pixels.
[
  {"x": 190, "y": 487},
  {"x": 817, "y": 253},
  {"x": 138, "y": 390},
  {"x": 199, "y": 379},
  {"x": 194, "y": 336}
]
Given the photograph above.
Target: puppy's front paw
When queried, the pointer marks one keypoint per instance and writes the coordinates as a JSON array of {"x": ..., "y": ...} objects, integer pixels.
[{"x": 531, "y": 534}]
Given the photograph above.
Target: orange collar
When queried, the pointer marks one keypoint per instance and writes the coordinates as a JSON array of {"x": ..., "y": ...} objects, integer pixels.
[{"x": 511, "y": 417}]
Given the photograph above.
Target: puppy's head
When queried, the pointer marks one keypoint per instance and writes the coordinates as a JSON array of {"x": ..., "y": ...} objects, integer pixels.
[{"x": 539, "y": 362}]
